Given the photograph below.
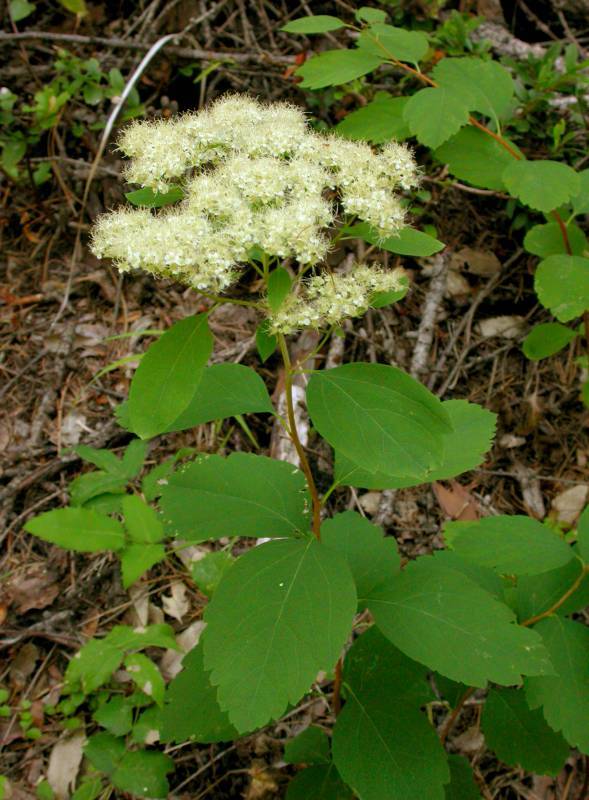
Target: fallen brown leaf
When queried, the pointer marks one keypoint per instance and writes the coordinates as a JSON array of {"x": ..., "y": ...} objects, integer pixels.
[{"x": 456, "y": 502}]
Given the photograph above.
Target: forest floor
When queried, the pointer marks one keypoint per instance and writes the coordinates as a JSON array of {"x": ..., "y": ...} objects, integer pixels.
[{"x": 60, "y": 306}]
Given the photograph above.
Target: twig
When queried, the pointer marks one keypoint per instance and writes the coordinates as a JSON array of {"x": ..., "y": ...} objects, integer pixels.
[{"x": 425, "y": 334}]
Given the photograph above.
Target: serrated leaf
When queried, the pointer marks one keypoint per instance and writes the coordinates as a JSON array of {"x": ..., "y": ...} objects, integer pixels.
[
  {"x": 133, "y": 458},
  {"x": 379, "y": 417},
  {"x": 143, "y": 773},
  {"x": 434, "y": 115},
  {"x": 370, "y": 556},
  {"x": 311, "y": 746},
  {"x": 78, "y": 529},
  {"x": 442, "y": 619},
  {"x": 408, "y": 243},
  {"x": 464, "y": 449},
  {"x": 93, "y": 665},
  {"x": 580, "y": 201},
  {"x": 512, "y": 545},
  {"x": 126, "y": 638},
  {"x": 142, "y": 523},
  {"x": 462, "y": 784},
  {"x": 208, "y": 571},
  {"x": 152, "y": 483},
  {"x": 538, "y": 593},
  {"x": 167, "y": 377},
  {"x": 92, "y": 484},
  {"x": 295, "y": 596},
  {"x": 191, "y": 710},
  {"x": 547, "y": 339},
  {"x": 476, "y": 157},
  {"x": 486, "y": 86},
  {"x": 136, "y": 559},
  {"x": 148, "y": 726},
  {"x": 225, "y": 390},
  {"x": 543, "y": 185},
  {"x": 388, "y": 42},
  {"x": 546, "y": 240},
  {"x": 242, "y": 495},
  {"x": 116, "y": 715},
  {"x": 146, "y": 676},
  {"x": 335, "y": 67},
  {"x": 564, "y": 697},
  {"x": 519, "y": 736},
  {"x": 383, "y": 748},
  {"x": 147, "y": 198},
  {"x": 562, "y": 285},
  {"x": 319, "y": 23},
  {"x": 318, "y": 783},
  {"x": 377, "y": 122},
  {"x": 266, "y": 343},
  {"x": 279, "y": 283}
]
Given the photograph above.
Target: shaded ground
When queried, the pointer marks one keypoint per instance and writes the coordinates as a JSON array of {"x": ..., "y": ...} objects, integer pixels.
[{"x": 58, "y": 312}]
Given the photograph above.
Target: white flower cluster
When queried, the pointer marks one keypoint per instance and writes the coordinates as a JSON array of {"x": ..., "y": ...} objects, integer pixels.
[
  {"x": 328, "y": 299},
  {"x": 252, "y": 175}
]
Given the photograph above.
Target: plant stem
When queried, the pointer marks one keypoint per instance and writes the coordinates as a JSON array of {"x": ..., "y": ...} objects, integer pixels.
[
  {"x": 337, "y": 687},
  {"x": 570, "y": 591},
  {"x": 294, "y": 435},
  {"x": 449, "y": 724}
]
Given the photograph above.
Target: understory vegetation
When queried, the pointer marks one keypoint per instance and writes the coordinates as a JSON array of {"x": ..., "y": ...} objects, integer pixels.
[{"x": 296, "y": 389}]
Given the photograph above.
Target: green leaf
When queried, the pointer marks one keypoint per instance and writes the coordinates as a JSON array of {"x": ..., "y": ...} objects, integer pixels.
[
  {"x": 116, "y": 715},
  {"x": 371, "y": 15},
  {"x": 462, "y": 784},
  {"x": 191, "y": 710},
  {"x": 320, "y": 23},
  {"x": 434, "y": 115},
  {"x": 295, "y": 596},
  {"x": 148, "y": 726},
  {"x": 388, "y": 42},
  {"x": 485, "y": 86},
  {"x": 167, "y": 377},
  {"x": 75, "y": 6},
  {"x": 126, "y": 638},
  {"x": 546, "y": 240},
  {"x": 519, "y": 736},
  {"x": 309, "y": 747},
  {"x": 225, "y": 390},
  {"x": 583, "y": 535},
  {"x": 484, "y": 577},
  {"x": 318, "y": 783},
  {"x": 93, "y": 484},
  {"x": 477, "y": 158},
  {"x": 134, "y": 457},
  {"x": 335, "y": 67},
  {"x": 562, "y": 285},
  {"x": 379, "y": 417},
  {"x": 580, "y": 201},
  {"x": 266, "y": 343},
  {"x": 371, "y": 557},
  {"x": 93, "y": 665},
  {"x": 152, "y": 483},
  {"x": 386, "y": 748},
  {"x": 442, "y": 619},
  {"x": 513, "y": 545},
  {"x": 20, "y": 9},
  {"x": 142, "y": 523},
  {"x": 538, "y": 593},
  {"x": 107, "y": 503},
  {"x": 546, "y": 340},
  {"x": 208, "y": 571},
  {"x": 143, "y": 773},
  {"x": 136, "y": 559},
  {"x": 242, "y": 495},
  {"x": 103, "y": 459},
  {"x": 279, "y": 283},
  {"x": 146, "y": 197},
  {"x": 78, "y": 529},
  {"x": 146, "y": 676},
  {"x": 89, "y": 788},
  {"x": 564, "y": 697},
  {"x": 104, "y": 751},
  {"x": 378, "y": 122},
  {"x": 542, "y": 185},
  {"x": 464, "y": 449},
  {"x": 408, "y": 243}
]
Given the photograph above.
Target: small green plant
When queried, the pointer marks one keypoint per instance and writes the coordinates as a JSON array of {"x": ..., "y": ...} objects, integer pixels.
[{"x": 258, "y": 199}]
